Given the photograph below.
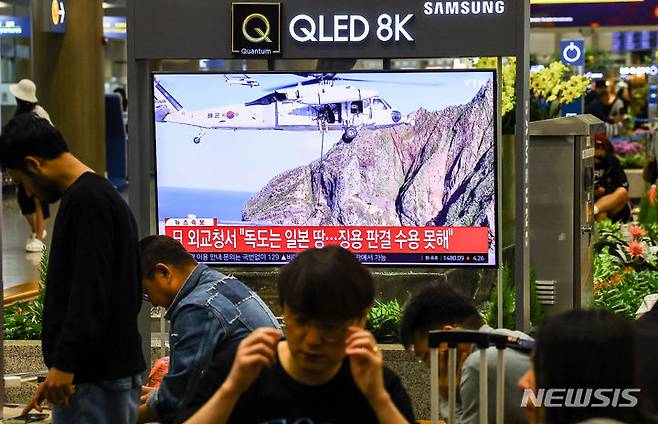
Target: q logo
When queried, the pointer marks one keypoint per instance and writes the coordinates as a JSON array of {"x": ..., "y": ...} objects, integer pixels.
[
  {"x": 256, "y": 28},
  {"x": 263, "y": 35}
]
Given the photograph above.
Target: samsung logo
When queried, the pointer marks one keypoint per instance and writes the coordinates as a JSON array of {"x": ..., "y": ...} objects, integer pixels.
[{"x": 486, "y": 7}]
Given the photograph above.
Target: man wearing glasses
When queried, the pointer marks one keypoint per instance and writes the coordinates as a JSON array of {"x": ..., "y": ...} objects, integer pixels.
[
  {"x": 209, "y": 313},
  {"x": 328, "y": 368}
]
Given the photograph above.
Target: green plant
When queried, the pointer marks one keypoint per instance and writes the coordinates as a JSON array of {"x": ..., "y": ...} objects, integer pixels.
[
  {"x": 384, "y": 321},
  {"x": 648, "y": 208},
  {"x": 22, "y": 320},
  {"x": 606, "y": 266},
  {"x": 638, "y": 252},
  {"x": 634, "y": 161},
  {"x": 509, "y": 302},
  {"x": 625, "y": 296}
]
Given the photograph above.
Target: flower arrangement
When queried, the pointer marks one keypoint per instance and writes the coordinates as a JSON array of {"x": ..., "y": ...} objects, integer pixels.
[
  {"x": 631, "y": 154},
  {"x": 625, "y": 268},
  {"x": 635, "y": 252},
  {"x": 550, "y": 87}
]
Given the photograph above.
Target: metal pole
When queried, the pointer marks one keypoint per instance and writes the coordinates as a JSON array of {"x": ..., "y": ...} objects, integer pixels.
[
  {"x": 434, "y": 386},
  {"x": 139, "y": 155},
  {"x": 452, "y": 383},
  {"x": 484, "y": 401},
  {"x": 500, "y": 387},
  {"x": 522, "y": 245},
  {"x": 163, "y": 334},
  {"x": 499, "y": 185}
]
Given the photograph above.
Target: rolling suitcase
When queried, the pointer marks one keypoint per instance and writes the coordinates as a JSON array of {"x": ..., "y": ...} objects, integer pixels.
[{"x": 482, "y": 341}]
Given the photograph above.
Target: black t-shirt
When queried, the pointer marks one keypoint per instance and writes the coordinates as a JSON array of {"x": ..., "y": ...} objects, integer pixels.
[
  {"x": 276, "y": 398},
  {"x": 609, "y": 175},
  {"x": 93, "y": 285}
]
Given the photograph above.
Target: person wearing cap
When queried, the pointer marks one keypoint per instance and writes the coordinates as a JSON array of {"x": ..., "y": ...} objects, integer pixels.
[
  {"x": 35, "y": 211},
  {"x": 611, "y": 196}
]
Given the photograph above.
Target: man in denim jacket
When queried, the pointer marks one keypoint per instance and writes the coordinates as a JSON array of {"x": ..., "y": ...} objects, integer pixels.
[{"x": 208, "y": 311}]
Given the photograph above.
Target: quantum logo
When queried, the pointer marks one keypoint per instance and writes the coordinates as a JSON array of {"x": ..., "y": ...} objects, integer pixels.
[
  {"x": 262, "y": 35},
  {"x": 256, "y": 28}
]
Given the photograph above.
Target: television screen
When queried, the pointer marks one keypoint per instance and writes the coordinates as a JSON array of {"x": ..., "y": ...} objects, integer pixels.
[
  {"x": 573, "y": 13},
  {"x": 399, "y": 167}
]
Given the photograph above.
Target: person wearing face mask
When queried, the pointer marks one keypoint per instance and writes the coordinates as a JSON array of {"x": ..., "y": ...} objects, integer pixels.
[{"x": 209, "y": 313}]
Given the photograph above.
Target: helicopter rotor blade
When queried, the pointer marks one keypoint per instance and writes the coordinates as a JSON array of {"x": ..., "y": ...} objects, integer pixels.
[{"x": 421, "y": 84}]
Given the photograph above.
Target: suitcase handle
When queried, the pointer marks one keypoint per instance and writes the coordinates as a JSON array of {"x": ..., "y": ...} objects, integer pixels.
[{"x": 482, "y": 341}]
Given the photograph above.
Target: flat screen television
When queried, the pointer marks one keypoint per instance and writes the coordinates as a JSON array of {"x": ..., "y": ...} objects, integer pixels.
[{"x": 399, "y": 167}]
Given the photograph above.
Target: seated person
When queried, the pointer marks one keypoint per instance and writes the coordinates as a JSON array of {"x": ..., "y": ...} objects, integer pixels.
[
  {"x": 438, "y": 307},
  {"x": 208, "y": 311},
  {"x": 646, "y": 355},
  {"x": 586, "y": 350},
  {"x": 328, "y": 368},
  {"x": 610, "y": 184}
]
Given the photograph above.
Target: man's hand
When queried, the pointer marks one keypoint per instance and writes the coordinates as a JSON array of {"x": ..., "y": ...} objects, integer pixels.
[
  {"x": 147, "y": 392},
  {"x": 58, "y": 387},
  {"x": 366, "y": 363},
  {"x": 256, "y": 351},
  {"x": 35, "y": 403}
]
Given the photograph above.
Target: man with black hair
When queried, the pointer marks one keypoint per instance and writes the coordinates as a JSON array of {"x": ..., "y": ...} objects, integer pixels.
[
  {"x": 209, "y": 312},
  {"x": 438, "y": 307},
  {"x": 328, "y": 368},
  {"x": 90, "y": 341}
]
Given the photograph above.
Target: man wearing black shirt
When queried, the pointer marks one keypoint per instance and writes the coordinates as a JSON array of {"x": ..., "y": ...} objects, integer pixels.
[
  {"x": 610, "y": 184},
  {"x": 90, "y": 340},
  {"x": 328, "y": 370}
]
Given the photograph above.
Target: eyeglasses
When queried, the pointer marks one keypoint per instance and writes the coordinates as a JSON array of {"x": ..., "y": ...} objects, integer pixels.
[
  {"x": 424, "y": 356},
  {"x": 145, "y": 295},
  {"x": 328, "y": 333}
]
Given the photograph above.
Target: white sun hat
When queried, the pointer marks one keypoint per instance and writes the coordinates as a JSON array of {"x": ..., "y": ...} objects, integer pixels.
[{"x": 25, "y": 90}]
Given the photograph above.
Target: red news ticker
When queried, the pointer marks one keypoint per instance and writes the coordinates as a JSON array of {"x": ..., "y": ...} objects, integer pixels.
[{"x": 204, "y": 236}]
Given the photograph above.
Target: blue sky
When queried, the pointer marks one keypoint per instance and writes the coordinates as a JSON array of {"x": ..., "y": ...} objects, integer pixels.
[{"x": 246, "y": 160}]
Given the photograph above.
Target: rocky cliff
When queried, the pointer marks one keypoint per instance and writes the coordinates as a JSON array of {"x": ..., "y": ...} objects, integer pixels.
[{"x": 438, "y": 171}]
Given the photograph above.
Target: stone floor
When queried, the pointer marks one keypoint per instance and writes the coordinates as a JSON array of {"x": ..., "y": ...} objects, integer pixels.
[{"x": 18, "y": 267}]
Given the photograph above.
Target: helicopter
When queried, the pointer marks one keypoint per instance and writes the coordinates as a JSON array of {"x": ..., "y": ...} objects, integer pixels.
[
  {"x": 241, "y": 80},
  {"x": 323, "y": 102}
]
